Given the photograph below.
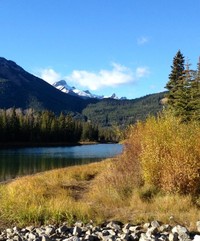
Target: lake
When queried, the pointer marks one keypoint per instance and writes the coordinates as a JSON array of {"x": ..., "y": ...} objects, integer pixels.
[{"x": 16, "y": 162}]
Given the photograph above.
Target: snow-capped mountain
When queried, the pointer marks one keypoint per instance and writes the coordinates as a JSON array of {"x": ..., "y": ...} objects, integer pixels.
[{"x": 64, "y": 87}]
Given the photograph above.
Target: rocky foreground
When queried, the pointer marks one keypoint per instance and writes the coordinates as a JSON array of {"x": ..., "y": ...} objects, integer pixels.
[{"x": 112, "y": 231}]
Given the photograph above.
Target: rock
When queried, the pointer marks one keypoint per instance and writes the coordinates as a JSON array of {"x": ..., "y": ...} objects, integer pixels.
[
  {"x": 196, "y": 238},
  {"x": 79, "y": 224},
  {"x": 49, "y": 230},
  {"x": 144, "y": 237},
  {"x": 77, "y": 231},
  {"x": 173, "y": 237},
  {"x": 74, "y": 238},
  {"x": 179, "y": 229},
  {"x": 146, "y": 225},
  {"x": 165, "y": 228},
  {"x": 45, "y": 238},
  {"x": 198, "y": 226},
  {"x": 151, "y": 231},
  {"x": 155, "y": 224},
  {"x": 134, "y": 228},
  {"x": 92, "y": 238},
  {"x": 134, "y": 237},
  {"x": 62, "y": 229},
  {"x": 114, "y": 225}
]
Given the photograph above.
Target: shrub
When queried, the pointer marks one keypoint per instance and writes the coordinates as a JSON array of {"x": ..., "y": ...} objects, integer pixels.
[{"x": 169, "y": 153}]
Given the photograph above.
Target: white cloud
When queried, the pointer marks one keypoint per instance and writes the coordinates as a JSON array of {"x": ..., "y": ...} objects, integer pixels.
[
  {"x": 118, "y": 75},
  {"x": 49, "y": 75},
  {"x": 142, "y": 40},
  {"x": 142, "y": 72}
]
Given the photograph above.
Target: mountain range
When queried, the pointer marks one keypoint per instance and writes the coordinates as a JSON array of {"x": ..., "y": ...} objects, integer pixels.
[
  {"x": 20, "y": 89},
  {"x": 64, "y": 87}
]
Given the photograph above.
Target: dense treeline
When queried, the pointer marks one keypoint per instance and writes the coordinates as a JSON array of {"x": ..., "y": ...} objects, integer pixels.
[
  {"x": 183, "y": 96},
  {"x": 122, "y": 113},
  {"x": 45, "y": 127}
]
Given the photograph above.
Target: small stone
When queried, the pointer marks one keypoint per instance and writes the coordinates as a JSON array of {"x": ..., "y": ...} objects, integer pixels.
[
  {"x": 124, "y": 236},
  {"x": 45, "y": 238},
  {"x": 30, "y": 228},
  {"x": 79, "y": 224},
  {"x": 155, "y": 224},
  {"x": 146, "y": 225},
  {"x": 144, "y": 237},
  {"x": 92, "y": 238},
  {"x": 32, "y": 236},
  {"x": 165, "y": 228},
  {"x": 9, "y": 231},
  {"x": 17, "y": 238},
  {"x": 62, "y": 229},
  {"x": 126, "y": 231},
  {"x": 179, "y": 229},
  {"x": 40, "y": 231},
  {"x": 198, "y": 226},
  {"x": 16, "y": 229},
  {"x": 49, "y": 231},
  {"x": 105, "y": 233},
  {"x": 113, "y": 225},
  {"x": 77, "y": 231},
  {"x": 127, "y": 225},
  {"x": 196, "y": 238},
  {"x": 134, "y": 228},
  {"x": 163, "y": 237},
  {"x": 134, "y": 237},
  {"x": 151, "y": 231},
  {"x": 173, "y": 237},
  {"x": 73, "y": 238}
]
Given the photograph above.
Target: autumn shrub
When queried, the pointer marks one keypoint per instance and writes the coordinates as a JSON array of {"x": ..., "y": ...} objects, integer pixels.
[{"x": 169, "y": 157}]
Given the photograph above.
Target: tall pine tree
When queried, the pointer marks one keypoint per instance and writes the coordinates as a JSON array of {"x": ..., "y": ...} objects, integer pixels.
[
  {"x": 175, "y": 78},
  {"x": 195, "y": 94}
]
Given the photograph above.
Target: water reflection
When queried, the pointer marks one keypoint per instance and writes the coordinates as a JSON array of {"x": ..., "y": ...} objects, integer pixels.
[{"x": 25, "y": 161}]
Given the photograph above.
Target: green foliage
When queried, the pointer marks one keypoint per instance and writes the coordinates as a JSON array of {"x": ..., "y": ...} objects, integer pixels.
[
  {"x": 183, "y": 97},
  {"x": 45, "y": 127},
  {"x": 111, "y": 112},
  {"x": 174, "y": 77}
]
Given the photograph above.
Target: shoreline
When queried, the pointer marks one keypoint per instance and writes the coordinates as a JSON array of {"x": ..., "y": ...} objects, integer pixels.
[{"x": 49, "y": 144}]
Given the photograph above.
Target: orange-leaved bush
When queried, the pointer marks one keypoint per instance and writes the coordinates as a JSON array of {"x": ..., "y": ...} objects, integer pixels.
[{"x": 169, "y": 153}]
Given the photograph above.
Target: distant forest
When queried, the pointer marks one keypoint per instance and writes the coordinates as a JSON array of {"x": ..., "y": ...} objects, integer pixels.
[
  {"x": 17, "y": 126},
  {"x": 110, "y": 112}
]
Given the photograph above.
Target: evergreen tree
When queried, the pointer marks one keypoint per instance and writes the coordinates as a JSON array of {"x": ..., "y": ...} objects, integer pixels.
[
  {"x": 175, "y": 78},
  {"x": 195, "y": 94},
  {"x": 182, "y": 96}
]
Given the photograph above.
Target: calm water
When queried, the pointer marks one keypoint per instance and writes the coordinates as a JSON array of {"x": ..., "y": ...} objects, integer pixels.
[{"x": 24, "y": 161}]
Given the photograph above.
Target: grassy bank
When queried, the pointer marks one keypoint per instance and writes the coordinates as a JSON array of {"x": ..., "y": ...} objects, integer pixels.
[{"x": 156, "y": 177}]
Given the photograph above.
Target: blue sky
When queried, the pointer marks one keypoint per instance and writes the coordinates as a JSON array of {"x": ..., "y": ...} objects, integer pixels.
[{"x": 107, "y": 46}]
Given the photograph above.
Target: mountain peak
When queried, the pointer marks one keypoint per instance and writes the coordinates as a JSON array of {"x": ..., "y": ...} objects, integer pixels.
[{"x": 64, "y": 87}]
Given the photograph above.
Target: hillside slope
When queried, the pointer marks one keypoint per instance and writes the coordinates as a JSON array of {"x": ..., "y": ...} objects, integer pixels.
[
  {"x": 123, "y": 112},
  {"x": 21, "y": 89}
]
